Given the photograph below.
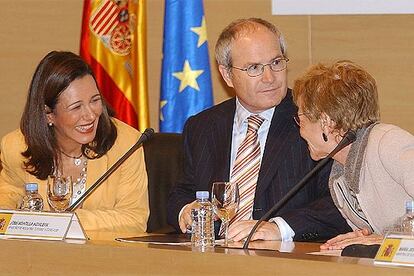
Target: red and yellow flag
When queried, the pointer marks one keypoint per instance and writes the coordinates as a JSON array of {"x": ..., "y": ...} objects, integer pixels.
[{"x": 113, "y": 44}]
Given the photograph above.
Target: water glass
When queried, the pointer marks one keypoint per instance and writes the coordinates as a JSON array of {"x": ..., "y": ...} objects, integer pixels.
[
  {"x": 59, "y": 192},
  {"x": 225, "y": 199}
]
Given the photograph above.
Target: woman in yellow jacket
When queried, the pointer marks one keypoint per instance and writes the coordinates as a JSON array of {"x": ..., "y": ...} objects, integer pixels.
[{"x": 67, "y": 129}]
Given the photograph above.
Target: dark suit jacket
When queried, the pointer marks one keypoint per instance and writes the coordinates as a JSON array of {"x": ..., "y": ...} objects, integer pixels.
[{"x": 207, "y": 144}]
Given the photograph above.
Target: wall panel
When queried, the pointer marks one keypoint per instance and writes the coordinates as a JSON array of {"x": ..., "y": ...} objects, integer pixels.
[{"x": 383, "y": 44}]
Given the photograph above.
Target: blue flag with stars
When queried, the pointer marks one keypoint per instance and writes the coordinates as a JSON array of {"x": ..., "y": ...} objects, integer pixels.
[{"x": 186, "y": 78}]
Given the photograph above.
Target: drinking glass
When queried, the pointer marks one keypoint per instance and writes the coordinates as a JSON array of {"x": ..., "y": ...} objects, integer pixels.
[
  {"x": 59, "y": 192},
  {"x": 225, "y": 199}
]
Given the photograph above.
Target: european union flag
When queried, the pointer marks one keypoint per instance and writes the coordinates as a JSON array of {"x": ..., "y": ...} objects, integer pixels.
[{"x": 186, "y": 78}]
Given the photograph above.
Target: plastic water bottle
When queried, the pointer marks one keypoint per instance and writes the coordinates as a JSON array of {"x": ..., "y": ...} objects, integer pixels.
[
  {"x": 32, "y": 201},
  {"x": 407, "y": 221},
  {"x": 202, "y": 234}
]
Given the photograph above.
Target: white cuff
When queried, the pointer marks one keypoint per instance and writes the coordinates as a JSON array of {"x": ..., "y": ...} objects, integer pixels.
[{"x": 286, "y": 232}]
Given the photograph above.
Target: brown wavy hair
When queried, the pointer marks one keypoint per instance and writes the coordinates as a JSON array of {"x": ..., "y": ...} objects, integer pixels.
[
  {"x": 52, "y": 76},
  {"x": 344, "y": 91}
]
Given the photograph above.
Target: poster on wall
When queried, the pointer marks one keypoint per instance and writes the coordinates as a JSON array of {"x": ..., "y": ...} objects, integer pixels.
[{"x": 321, "y": 7}]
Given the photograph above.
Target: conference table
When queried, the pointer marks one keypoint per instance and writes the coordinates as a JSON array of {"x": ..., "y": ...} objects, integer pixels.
[{"x": 104, "y": 255}]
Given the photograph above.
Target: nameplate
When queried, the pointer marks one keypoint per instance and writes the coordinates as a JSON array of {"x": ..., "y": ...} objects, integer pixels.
[
  {"x": 39, "y": 225},
  {"x": 396, "y": 249}
]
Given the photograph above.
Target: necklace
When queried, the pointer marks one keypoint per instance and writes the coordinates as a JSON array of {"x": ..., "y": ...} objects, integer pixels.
[
  {"x": 76, "y": 159},
  {"x": 80, "y": 184}
]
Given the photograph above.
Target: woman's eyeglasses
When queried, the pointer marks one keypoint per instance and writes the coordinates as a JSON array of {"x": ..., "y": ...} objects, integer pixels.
[{"x": 296, "y": 117}]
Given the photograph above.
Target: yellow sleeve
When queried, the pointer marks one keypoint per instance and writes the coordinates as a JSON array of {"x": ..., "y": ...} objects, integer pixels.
[{"x": 12, "y": 173}]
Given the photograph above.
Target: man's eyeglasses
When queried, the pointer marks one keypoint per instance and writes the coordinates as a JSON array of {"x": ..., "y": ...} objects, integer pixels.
[
  {"x": 255, "y": 70},
  {"x": 296, "y": 117}
]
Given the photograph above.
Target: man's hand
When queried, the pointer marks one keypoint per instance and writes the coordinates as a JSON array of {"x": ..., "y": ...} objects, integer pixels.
[
  {"x": 363, "y": 236},
  {"x": 266, "y": 231},
  {"x": 185, "y": 217}
]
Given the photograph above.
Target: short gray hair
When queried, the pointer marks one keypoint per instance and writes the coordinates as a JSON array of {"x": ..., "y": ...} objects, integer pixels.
[{"x": 234, "y": 30}]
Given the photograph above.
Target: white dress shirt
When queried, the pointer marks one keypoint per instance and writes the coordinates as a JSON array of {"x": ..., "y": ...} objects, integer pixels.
[{"x": 239, "y": 133}]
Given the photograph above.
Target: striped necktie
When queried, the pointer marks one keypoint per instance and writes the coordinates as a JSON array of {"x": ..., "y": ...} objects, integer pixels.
[{"x": 246, "y": 168}]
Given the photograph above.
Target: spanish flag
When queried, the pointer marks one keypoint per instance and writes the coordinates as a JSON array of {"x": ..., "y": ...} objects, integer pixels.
[{"x": 113, "y": 44}]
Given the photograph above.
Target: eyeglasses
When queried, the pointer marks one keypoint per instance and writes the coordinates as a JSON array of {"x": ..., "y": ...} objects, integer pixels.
[
  {"x": 296, "y": 117},
  {"x": 257, "y": 69}
]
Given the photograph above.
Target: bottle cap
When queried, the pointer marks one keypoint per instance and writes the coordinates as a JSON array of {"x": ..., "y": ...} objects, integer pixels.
[
  {"x": 31, "y": 187},
  {"x": 202, "y": 194},
  {"x": 409, "y": 205}
]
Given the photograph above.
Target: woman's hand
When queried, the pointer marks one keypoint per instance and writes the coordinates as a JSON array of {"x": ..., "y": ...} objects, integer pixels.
[{"x": 363, "y": 236}]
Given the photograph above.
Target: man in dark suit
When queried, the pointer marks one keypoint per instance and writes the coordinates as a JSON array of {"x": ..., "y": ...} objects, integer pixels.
[{"x": 251, "y": 54}]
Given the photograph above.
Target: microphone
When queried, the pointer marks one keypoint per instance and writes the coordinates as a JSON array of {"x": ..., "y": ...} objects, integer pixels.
[
  {"x": 146, "y": 135},
  {"x": 361, "y": 250},
  {"x": 348, "y": 138}
]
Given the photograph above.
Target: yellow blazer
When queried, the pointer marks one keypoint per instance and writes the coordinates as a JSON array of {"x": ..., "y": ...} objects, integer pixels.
[{"x": 120, "y": 204}]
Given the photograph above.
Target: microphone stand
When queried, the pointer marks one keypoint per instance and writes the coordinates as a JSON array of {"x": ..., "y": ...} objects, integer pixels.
[
  {"x": 146, "y": 135},
  {"x": 349, "y": 137}
]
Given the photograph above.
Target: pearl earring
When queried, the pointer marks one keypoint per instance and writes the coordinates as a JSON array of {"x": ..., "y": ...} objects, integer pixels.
[{"x": 50, "y": 124}]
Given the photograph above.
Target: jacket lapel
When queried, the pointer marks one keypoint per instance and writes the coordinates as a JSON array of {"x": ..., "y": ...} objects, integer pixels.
[
  {"x": 276, "y": 143},
  {"x": 94, "y": 171},
  {"x": 221, "y": 138}
]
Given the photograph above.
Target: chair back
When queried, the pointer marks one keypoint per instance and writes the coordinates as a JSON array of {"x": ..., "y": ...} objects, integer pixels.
[{"x": 164, "y": 162}]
